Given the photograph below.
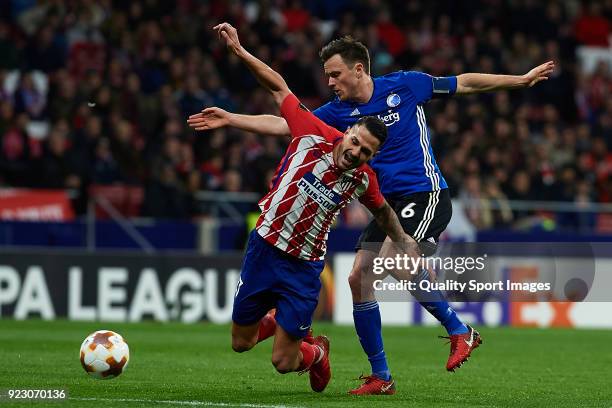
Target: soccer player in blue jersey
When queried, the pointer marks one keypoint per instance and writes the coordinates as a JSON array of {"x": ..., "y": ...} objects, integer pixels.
[{"x": 408, "y": 174}]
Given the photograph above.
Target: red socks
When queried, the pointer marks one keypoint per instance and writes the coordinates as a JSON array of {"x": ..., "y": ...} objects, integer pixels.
[
  {"x": 310, "y": 354},
  {"x": 267, "y": 327}
]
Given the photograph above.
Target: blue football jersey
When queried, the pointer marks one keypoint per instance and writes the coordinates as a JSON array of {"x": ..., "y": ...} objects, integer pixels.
[{"x": 405, "y": 164}]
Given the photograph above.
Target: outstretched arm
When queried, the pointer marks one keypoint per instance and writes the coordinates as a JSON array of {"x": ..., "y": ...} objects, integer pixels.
[
  {"x": 214, "y": 118},
  {"x": 474, "y": 83},
  {"x": 266, "y": 76}
]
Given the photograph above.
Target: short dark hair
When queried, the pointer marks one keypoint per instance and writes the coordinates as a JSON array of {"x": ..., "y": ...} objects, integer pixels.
[
  {"x": 375, "y": 126},
  {"x": 350, "y": 50}
]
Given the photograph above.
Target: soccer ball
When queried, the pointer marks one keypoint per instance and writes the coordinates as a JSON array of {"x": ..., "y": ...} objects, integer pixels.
[{"x": 104, "y": 354}]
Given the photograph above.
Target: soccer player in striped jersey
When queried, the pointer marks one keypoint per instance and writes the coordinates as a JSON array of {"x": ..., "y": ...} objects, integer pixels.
[
  {"x": 409, "y": 176},
  {"x": 320, "y": 173}
]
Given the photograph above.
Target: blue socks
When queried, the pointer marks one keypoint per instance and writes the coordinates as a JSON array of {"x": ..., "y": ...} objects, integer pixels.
[
  {"x": 439, "y": 308},
  {"x": 366, "y": 316}
]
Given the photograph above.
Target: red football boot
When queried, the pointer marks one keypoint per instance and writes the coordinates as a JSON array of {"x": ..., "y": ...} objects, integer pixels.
[
  {"x": 373, "y": 385},
  {"x": 320, "y": 372},
  {"x": 461, "y": 347}
]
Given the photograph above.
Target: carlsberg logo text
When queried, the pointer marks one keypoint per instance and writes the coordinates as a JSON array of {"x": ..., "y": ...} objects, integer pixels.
[{"x": 390, "y": 119}]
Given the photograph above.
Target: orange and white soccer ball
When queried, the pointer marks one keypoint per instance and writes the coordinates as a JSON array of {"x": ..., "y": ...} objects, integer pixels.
[{"x": 104, "y": 354}]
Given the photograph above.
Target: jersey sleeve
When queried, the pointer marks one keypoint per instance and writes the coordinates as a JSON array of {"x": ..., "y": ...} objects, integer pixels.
[
  {"x": 371, "y": 197},
  {"x": 424, "y": 86},
  {"x": 302, "y": 122}
]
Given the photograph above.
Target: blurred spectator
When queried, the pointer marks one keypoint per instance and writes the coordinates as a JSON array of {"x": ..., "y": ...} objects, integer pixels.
[
  {"x": 43, "y": 53},
  {"x": 164, "y": 195},
  {"x": 476, "y": 208},
  {"x": 29, "y": 98},
  {"x": 15, "y": 157},
  {"x": 193, "y": 97},
  {"x": 501, "y": 214},
  {"x": 521, "y": 189},
  {"x": 264, "y": 164},
  {"x": 232, "y": 181},
  {"x": 11, "y": 55},
  {"x": 58, "y": 168},
  {"x": 126, "y": 150},
  {"x": 592, "y": 28},
  {"x": 296, "y": 17},
  {"x": 212, "y": 172},
  {"x": 105, "y": 168}
]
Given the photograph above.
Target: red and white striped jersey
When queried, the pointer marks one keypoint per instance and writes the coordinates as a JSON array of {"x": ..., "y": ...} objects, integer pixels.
[{"x": 308, "y": 190}]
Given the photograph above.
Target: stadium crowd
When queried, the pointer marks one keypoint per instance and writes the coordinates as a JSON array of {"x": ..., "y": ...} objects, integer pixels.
[{"x": 98, "y": 92}]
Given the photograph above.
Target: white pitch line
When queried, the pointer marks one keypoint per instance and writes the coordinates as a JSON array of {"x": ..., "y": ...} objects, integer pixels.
[{"x": 189, "y": 403}]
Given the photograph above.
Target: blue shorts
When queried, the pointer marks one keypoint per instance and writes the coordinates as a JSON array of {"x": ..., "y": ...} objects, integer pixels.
[{"x": 272, "y": 279}]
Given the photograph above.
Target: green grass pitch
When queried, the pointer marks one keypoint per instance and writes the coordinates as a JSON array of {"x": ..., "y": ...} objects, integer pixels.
[{"x": 193, "y": 365}]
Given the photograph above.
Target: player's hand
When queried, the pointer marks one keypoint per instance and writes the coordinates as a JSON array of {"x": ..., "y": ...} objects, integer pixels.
[
  {"x": 227, "y": 32},
  {"x": 209, "y": 118},
  {"x": 539, "y": 73}
]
